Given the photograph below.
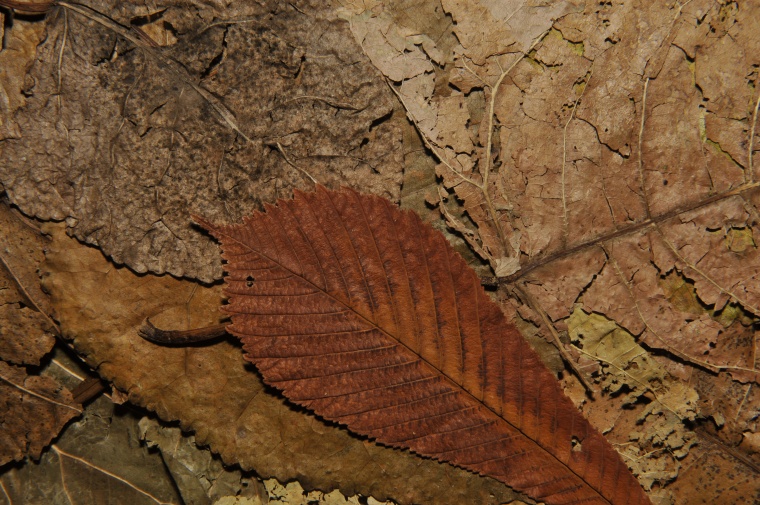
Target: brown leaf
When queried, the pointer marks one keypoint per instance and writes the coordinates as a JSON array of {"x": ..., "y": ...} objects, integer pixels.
[
  {"x": 34, "y": 408},
  {"x": 136, "y": 117},
  {"x": 365, "y": 315},
  {"x": 32, "y": 411},
  {"x": 26, "y": 330}
]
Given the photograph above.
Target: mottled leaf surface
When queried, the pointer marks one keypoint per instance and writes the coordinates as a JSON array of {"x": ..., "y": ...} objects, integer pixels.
[
  {"x": 133, "y": 116},
  {"x": 367, "y": 316}
]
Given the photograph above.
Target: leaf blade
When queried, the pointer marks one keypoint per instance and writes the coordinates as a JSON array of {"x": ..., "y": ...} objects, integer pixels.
[{"x": 413, "y": 357}]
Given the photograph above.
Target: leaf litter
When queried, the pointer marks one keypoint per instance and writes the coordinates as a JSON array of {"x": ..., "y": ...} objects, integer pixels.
[
  {"x": 212, "y": 392},
  {"x": 35, "y": 406},
  {"x": 715, "y": 132}
]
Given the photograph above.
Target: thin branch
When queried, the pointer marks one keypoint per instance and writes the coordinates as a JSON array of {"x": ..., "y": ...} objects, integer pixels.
[
  {"x": 565, "y": 223},
  {"x": 536, "y": 307},
  {"x": 287, "y": 160}
]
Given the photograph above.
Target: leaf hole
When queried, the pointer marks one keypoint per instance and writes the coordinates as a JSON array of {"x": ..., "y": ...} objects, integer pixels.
[
  {"x": 576, "y": 444},
  {"x": 249, "y": 281}
]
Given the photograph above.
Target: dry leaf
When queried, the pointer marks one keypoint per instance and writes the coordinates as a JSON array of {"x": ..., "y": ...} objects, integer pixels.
[
  {"x": 26, "y": 331},
  {"x": 124, "y": 135},
  {"x": 366, "y": 316},
  {"x": 611, "y": 153},
  {"x": 98, "y": 460},
  {"x": 33, "y": 410},
  {"x": 629, "y": 373}
]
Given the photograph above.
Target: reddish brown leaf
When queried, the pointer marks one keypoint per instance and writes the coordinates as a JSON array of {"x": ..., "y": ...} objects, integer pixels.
[{"x": 367, "y": 316}]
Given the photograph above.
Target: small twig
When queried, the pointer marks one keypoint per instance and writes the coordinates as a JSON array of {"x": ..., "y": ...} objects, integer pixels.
[
  {"x": 181, "y": 337},
  {"x": 332, "y": 103},
  {"x": 287, "y": 160},
  {"x": 533, "y": 304}
]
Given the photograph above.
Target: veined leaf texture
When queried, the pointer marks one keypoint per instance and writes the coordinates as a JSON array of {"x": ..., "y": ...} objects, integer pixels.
[{"x": 364, "y": 314}]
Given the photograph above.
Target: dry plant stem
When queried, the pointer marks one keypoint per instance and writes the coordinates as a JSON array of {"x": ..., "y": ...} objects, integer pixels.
[
  {"x": 534, "y": 305},
  {"x": 88, "y": 389},
  {"x": 287, "y": 160},
  {"x": 529, "y": 267},
  {"x": 181, "y": 337}
]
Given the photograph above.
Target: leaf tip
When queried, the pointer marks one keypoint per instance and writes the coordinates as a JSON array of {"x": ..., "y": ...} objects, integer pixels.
[{"x": 203, "y": 222}]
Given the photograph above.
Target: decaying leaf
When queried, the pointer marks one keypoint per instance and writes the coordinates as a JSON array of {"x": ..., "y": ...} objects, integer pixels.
[
  {"x": 627, "y": 371},
  {"x": 33, "y": 410},
  {"x": 96, "y": 461},
  {"x": 136, "y": 116},
  {"x": 365, "y": 315},
  {"x": 26, "y": 330},
  {"x": 212, "y": 392}
]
